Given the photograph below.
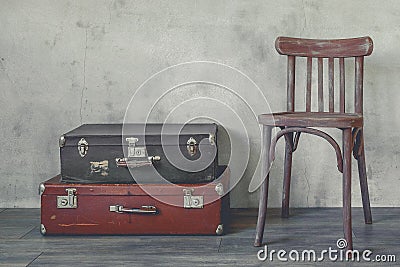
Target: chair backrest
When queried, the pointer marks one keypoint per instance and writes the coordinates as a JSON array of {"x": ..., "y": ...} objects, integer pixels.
[{"x": 320, "y": 50}]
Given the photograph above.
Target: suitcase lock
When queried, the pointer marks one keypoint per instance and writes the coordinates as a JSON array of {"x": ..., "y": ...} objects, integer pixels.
[
  {"x": 83, "y": 147},
  {"x": 70, "y": 201},
  {"x": 191, "y": 146},
  {"x": 137, "y": 156},
  {"x": 190, "y": 201},
  {"x": 135, "y": 151}
]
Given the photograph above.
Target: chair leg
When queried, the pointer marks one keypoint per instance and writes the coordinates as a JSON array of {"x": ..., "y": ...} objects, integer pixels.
[
  {"x": 262, "y": 208},
  {"x": 362, "y": 172},
  {"x": 262, "y": 212},
  {"x": 287, "y": 175},
  {"x": 347, "y": 145}
]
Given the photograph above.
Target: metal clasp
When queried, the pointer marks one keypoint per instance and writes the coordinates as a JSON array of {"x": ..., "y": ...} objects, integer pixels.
[
  {"x": 211, "y": 139},
  {"x": 135, "y": 151},
  {"x": 83, "y": 147},
  {"x": 191, "y": 146},
  {"x": 70, "y": 201},
  {"x": 190, "y": 201}
]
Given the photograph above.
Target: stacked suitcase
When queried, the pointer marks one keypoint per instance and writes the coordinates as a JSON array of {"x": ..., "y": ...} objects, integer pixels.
[{"x": 137, "y": 179}]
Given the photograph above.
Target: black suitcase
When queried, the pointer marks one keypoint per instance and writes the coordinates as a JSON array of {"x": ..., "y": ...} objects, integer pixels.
[{"x": 139, "y": 153}]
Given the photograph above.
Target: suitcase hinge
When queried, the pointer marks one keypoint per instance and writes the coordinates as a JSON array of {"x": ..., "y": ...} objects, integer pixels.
[
  {"x": 70, "y": 201},
  {"x": 190, "y": 201}
]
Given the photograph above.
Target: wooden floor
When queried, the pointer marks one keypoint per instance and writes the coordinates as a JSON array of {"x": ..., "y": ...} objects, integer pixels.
[{"x": 21, "y": 244}]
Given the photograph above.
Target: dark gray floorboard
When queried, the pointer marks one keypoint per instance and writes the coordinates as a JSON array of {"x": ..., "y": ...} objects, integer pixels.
[
  {"x": 21, "y": 244},
  {"x": 15, "y": 223}
]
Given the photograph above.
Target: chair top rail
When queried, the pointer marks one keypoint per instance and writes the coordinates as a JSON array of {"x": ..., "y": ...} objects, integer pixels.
[{"x": 327, "y": 48}]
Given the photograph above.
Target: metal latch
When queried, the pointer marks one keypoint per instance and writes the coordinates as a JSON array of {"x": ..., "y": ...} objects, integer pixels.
[
  {"x": 190, "y": 201},
  {"x": 191, "y": 146},
  {"x": 69, "y": 201},
  {"x": 137, "y": 155},
  {"x": 83, "y": 147},
  {"x": 133, "y": 150}
]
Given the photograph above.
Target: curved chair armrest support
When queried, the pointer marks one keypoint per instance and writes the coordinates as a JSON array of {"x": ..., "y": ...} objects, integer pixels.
[{"x": 316, "y": 132}]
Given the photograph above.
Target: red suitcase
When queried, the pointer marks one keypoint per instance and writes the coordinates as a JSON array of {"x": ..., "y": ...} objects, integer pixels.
[{"x": 134, "y": 209}]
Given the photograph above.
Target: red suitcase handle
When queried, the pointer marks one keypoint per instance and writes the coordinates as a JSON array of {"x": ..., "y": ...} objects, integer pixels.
[{"x": 142, "y": 210}]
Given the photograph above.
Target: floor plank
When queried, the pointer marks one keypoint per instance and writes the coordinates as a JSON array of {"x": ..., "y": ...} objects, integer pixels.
[
  {"x": 21, "y": 244},
  {"x": 15, "y": 223}
]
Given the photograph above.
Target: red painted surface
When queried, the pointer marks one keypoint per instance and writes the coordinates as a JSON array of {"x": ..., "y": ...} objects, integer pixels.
[{"x": 92, "y": 215}]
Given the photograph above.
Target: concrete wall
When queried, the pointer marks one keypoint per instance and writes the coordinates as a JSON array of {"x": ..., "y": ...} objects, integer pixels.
[{"x": 63, "y": 63}]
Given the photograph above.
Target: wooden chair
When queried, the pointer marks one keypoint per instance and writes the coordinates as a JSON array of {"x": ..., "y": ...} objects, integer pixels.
[{"x": 292, "y": 122}]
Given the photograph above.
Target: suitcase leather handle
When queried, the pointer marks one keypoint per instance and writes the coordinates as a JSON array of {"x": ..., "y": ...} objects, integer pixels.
[
  {"x": 134, "y": 163},
  {"x": 142, "y": 210}
]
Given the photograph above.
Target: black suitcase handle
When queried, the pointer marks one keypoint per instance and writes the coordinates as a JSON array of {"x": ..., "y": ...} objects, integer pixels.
[{"x": 135, "y": 162}]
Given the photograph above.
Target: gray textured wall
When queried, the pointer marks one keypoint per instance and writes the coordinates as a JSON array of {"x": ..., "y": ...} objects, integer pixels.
[{"x": 63, "y": 63}]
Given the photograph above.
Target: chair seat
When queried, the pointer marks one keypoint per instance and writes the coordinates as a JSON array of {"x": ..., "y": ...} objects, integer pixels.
[{"x": 312, "y": 119}]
